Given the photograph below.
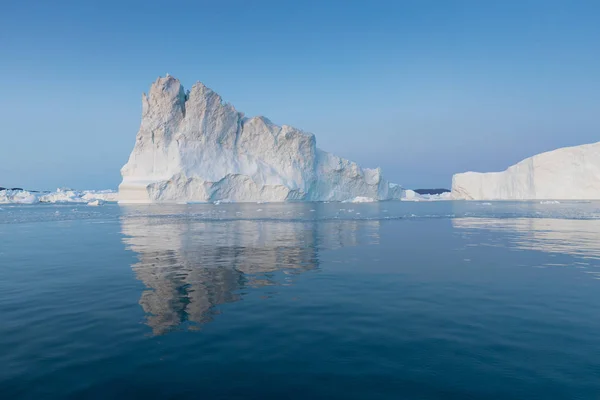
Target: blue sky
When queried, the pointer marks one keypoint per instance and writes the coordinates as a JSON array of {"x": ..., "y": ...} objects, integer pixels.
[{"x": 423, "y": 89}]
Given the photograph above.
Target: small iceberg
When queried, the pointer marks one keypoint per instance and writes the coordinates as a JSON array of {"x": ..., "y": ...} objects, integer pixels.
[
  {"x": 96, "y": 202},
  {"x": 61, "y": 195}
]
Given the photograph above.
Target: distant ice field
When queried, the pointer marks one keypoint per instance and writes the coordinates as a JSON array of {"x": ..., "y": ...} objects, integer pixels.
[{"x": 304, "y": 211}]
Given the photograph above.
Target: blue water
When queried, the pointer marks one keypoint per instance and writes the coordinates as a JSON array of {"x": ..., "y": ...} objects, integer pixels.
[{"x": 393, "y": 300}]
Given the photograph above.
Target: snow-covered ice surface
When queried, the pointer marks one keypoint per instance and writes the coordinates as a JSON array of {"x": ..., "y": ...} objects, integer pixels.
[
  {"x": 58, "y": 196},
  {"x": 192, "y": 147},
  {"x": 569, "y": 173}
]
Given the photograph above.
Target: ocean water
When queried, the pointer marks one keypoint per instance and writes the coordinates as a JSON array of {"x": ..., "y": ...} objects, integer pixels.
[{"x": 391, "y": 300}]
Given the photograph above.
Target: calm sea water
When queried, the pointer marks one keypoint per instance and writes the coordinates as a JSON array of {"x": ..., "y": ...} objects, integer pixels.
[{"x": 452, "y": 300}]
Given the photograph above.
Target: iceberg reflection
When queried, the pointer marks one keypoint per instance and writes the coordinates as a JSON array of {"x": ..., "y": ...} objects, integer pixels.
[
  {"x": 577, "y": 237},
  {"x": 190, "y": 266}
]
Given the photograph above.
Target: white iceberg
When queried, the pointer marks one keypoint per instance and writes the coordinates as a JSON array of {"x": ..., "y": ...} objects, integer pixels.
[
  {"x": 8, "y": 196},
  {"x": 62, "y": 196},
  {"x": 96, "y": 202},
  {"x": 109, "y": 196},
  {"x": 361, "y": 199},
  {"x": 59, "y": 196},
  {"x": 411, "y": 195},
  {"x": 192, "y": 147},
  {"x": 569, "y": 173}
]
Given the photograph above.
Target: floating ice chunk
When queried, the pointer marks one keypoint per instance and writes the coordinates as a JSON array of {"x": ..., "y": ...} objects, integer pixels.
[
  {"x": 360, "y": 199},
  {"x": 17, "y": 197},
  {"x": 62, "y": 196},
  {"x": 224, "y": 201},
  {"x": 96, "y": 202}
]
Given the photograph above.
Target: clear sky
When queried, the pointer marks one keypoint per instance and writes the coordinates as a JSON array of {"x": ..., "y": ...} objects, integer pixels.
[{"x": 421, "y": 88}]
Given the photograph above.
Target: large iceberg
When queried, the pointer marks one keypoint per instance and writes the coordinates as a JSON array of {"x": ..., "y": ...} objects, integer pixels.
[
  {"x": 569, "y": 173},
  {"x": 192, "y": 147}
]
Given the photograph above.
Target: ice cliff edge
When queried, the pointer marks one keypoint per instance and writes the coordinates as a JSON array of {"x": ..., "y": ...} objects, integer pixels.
[
  {"x": 192, "y": 146},
  {"x": 569, "y": 173}
]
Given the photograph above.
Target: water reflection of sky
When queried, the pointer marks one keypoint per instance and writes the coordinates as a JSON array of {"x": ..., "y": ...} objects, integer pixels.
[
  {"x": 192, "y": 259},
  {"x": 576, "y": 237},
  {"x": 189, "y": 267}
]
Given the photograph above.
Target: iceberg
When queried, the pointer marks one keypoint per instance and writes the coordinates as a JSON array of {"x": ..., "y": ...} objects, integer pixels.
[
  {"x": 568, "y": 173},
  {"x": 11, "y": 196},
  {"x": 193, "y": 147},
  {"x": 105, "y": 196},
  {"x": 411, "y": 195},
  {"x": 19, "y": 196},
  {"x": 95, "y": 203}
]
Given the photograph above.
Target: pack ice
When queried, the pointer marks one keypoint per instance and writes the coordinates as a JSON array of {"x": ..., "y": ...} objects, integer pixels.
[
  {"x": 192, "y": 146},
  {"x": 61, "y": 195},
  {"x": 567, "y": 173}
]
